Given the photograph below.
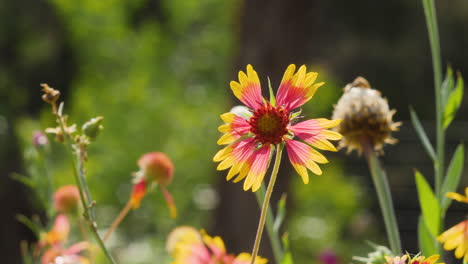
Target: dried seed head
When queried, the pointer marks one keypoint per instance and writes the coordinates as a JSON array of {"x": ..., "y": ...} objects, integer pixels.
[
  {"x": 365, "y": 115},
  {"x": 50, "y": 95}
]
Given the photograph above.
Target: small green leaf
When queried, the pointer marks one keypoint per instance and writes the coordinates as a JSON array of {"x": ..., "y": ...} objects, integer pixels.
[
  {"x": 287, "y": 257},
  {"x": 28, "y": 223},
  {"x": 23, "y": 179},
  {"x": 429, "y": 204},
  {"x": 454, "y": 172},
  {"x": 453, "y": 102},
  {"x": 422, "y": 135},
  {"x": 425, "y": 240},
  {"x": 447, "y": 86},
  {"x": 272, "y": 95},
  {"x": 281, "y": 213}
]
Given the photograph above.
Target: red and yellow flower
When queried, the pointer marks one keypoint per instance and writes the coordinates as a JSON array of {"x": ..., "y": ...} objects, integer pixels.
[
  {"x": 458, "y": 197},
  {"x": 457, "y": 236},
  {"x": 418, "y": 259},
  {"x": 188, "y": 246},
  {"x": 252, "y": 137},
  {"x": 155, "y": 167},
  {"x": 54, "y": 242}
]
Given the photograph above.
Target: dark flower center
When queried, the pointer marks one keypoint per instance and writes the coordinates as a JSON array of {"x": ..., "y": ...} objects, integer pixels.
[{"x": 269, "y": 123}]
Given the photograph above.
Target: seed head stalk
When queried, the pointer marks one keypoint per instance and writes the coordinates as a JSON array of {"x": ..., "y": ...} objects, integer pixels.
[
  {"x": 266, "y": 202},
  {"x": 382, "y": 188},
  {"x": 78, "y": 172}
]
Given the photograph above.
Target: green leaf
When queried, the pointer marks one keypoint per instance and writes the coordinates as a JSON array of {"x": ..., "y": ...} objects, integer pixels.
[
  {"x": 281, "y": 213},
  {"x": 422, "y": 134},
  {"x": 453, "y": 101},
  {"x": 287, "y": 257},
  {"x": 272, "y": 95},
  {"x": 425, "y": 240},
  {"x": 28, "y": 223},
  {"x": 447, "y": 86},
  {"x": 429, "y": 204},
  {"x": 23, "y": 179},
  {"x": 452, "y": 179}
]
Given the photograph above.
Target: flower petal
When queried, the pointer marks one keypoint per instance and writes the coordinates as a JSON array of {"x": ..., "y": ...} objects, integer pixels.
[
  {"x": 302, "y": 157},
  {"x": 258, "y": 167},
  {"x": 314, "y": 133},
  {"x": 296, "y": 89},
  {"x": 248, "y": 90}
]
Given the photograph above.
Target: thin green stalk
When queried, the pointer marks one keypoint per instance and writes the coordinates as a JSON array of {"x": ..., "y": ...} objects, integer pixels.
[
  {"x": 382, "y": 188},
  {"x": 433, "y": 30},
  {"x": 81, "y": 174},
  {"x": 274, "y": 237},
  {"x": 266, "y": 202},
  {"x": 78, "y": 176}
]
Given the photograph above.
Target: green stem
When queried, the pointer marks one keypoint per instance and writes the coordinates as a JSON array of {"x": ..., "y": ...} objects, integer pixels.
[
  {"x": 274, "y": 237},
  {"x": 385, "y": 198},
  {"x": 266, "y": 202},
  {"x": 78, "y": 176},
  {"x": 433, "y": 30}
]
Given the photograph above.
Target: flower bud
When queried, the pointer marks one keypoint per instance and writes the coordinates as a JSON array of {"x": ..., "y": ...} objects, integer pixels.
[
  {"x": 66, "y": 199},
  {"x": 365, "y": 116},
  {"x": 93, "y": 127},
  {"x": 156, "y": 166}
]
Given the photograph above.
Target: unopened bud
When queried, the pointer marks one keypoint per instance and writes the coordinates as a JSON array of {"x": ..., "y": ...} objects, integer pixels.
[
  {"x": 66, "y": 199},
  {"x": 156, "y": 166},
  {"x": 50, "y": 95},
  {"x": 93, "y": 127}
]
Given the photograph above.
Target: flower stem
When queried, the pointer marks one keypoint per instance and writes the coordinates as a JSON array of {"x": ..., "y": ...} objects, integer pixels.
[
  {"x": 81, "y": 183},
  {"x": 274, "y": 237},
  {"x": 266, "y": 201},
  {"x": 382, "y": 188},
  {"x": 118, "y": 219},
  {"x": 433, "y": 30}
]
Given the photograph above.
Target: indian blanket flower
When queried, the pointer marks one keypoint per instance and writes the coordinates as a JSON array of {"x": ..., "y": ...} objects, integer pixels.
[
  {"x": 365, "y": 116},
  {"x": 458, "y": 197},
  {"x": 67, "y": 199},
  {"x": 418, "y": 259},
  {"x": 70, "y": 255},
  {"x": 58, "y": 233},
  {"x": 186, "y": 245},
  {"x": 423, "y": 260},
  {"x": 54, "y": 242},
  {"x": 155, "y": 167},
  {"x": 457, "y": 236},
  {"x": 251, "y": 137}
]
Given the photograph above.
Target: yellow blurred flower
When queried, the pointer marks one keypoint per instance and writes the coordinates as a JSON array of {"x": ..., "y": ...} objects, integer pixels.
[
  {"x": 189, "y": 246},
  {"x": 458, "y": 197},
  {"x": 456, "y": 238}
]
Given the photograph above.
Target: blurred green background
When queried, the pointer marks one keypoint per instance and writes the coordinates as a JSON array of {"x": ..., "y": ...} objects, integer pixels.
[{"x": 158, "y": 71}]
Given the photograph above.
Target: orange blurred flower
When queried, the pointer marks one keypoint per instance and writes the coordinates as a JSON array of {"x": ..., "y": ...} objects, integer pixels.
[{"x": 66, "y": 199}]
